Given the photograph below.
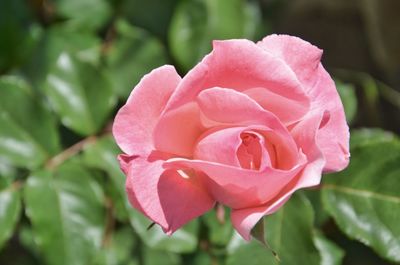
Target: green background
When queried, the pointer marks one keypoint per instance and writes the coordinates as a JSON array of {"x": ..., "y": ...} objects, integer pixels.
[{"x": 66, "y": 66}]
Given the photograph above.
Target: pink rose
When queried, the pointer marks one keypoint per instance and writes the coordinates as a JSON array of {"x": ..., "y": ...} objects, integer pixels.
[{"x": 246, "y": 127}]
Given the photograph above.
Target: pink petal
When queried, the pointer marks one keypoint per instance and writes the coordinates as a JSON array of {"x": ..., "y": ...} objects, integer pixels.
[
  {"x": 178, "y": 130},
  {"x": 165, "y": 196},
  {"x": 333, "y": 136},
  {"x": 228, "y": 106},
  {"x": 304, "y": 59},
  {"x": 134, "y": 122},
  {"x": 237, "y": 187},
  {"x": 301, "y": 56},
  {"x": 304, "y": 133},
  {"x": 240, "y": 65},
  {"x": 225, "y": 146}
]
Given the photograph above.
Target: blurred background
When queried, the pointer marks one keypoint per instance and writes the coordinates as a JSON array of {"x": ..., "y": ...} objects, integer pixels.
[{"x": 66, "y": 66}]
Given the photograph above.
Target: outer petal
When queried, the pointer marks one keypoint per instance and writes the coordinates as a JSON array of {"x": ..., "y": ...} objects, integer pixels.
[
  {"x": 240, "y": 65},
  {"x": 304, "y": 133},
  {"x": 304, "y": 59},
  {"x": 134, "y": 122},
  {"x": 300, "y": 55},
  {"x": 237, "y": 187},
  {"x": 165, "y": 196}
]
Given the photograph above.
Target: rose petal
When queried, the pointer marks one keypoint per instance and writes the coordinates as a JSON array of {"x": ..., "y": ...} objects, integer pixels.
[
  {"x": 240, "y": 65},
  {"x": 228, "y": 106},
  {"x": 304, "y": 59},
  {"x": 178, "y": 130},
  {"x": 304, "y": 133},
  {"x": 300, "y": 55},
  {"x": 164, "y": 196},
  {"x": 226, "y": 146},
  {"x": 134, "y": 122},
  {"x": 237, "y": 187}
]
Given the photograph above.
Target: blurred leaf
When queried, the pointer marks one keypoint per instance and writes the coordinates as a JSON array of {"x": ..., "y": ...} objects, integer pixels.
[
  {"x": 66, "y": 211},
  {"x": 197, "y": 22},
  {"x": 137, "y": 13},
  {"x": 102, "y": 154},
  {"x": 118, "y": 250},
  {"x": 331, "y": 254},
  {"x": 366, "y": 136},
  {"x": 16, "y": 33},
  {"x": 219, "y": 233},
  {"x": 133, "y": 54},
  {"x": 182, "y": 241},
  {"x": 28, "y": 133},
  {"x": 80, "y": 94},
  {"x": 55, "y": 40},
  {"x": 83, "y": 15},
  {"x": 156, "y": 257},
  {"x": 288, "y": 232},
  {"x": 349, "y": 99},
  {"x": 10, "y": 208},
  {"x": 321, "y": 215},
  {"x": 364, "y": 199}
]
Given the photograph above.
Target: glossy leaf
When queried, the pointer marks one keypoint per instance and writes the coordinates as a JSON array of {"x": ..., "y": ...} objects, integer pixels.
[
  {"x": 55, "y": 40},
  {"x": 80, "y": 94},
  {"x": 67, "y": 214},
  {"x": 28, "y": 134},
  {"x": 364, "y": 199},
  {"x": 133, "y": 54},
  {"x": 10, "y": 208},
  {"x": 288, "y": 232},
  {"x": 331, "y": 254},
  {"x": 197, "y": 22}
]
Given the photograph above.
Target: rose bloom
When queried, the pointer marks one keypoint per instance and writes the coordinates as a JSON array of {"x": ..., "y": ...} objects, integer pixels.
[{"x": 246, "y": 127}]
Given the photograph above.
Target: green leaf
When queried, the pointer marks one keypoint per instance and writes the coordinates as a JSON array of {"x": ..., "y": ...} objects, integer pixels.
[
  {"x": 367, "y": 136},
  {"x": 119, "y": 248},
  {"x": 55, "y": 40},
  {"x": 102, "y": 154},
  {"x": 219, "y": 233},
  {"x": 10, "y": 208},
  {"x": 133, "y": 54},
  {"x": 197, "y": 22},
  {"x": 349, "y": 99},
  {"x": 80, "y": 94},
  {"x": 137, "y": 13},
  {"x": 28, "y": 133},
  {"x": 364, "y": 199},
  {"x": 182, "y": 241},
  {"x": 66, "y": 210},
  {"x": 17, "y": 33},
  {"x": 156, "y": 257},
  {"x": 288, "y": 232},
  {"x": 331, "y": 254},
  {"x": 83, "y": 15}
]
